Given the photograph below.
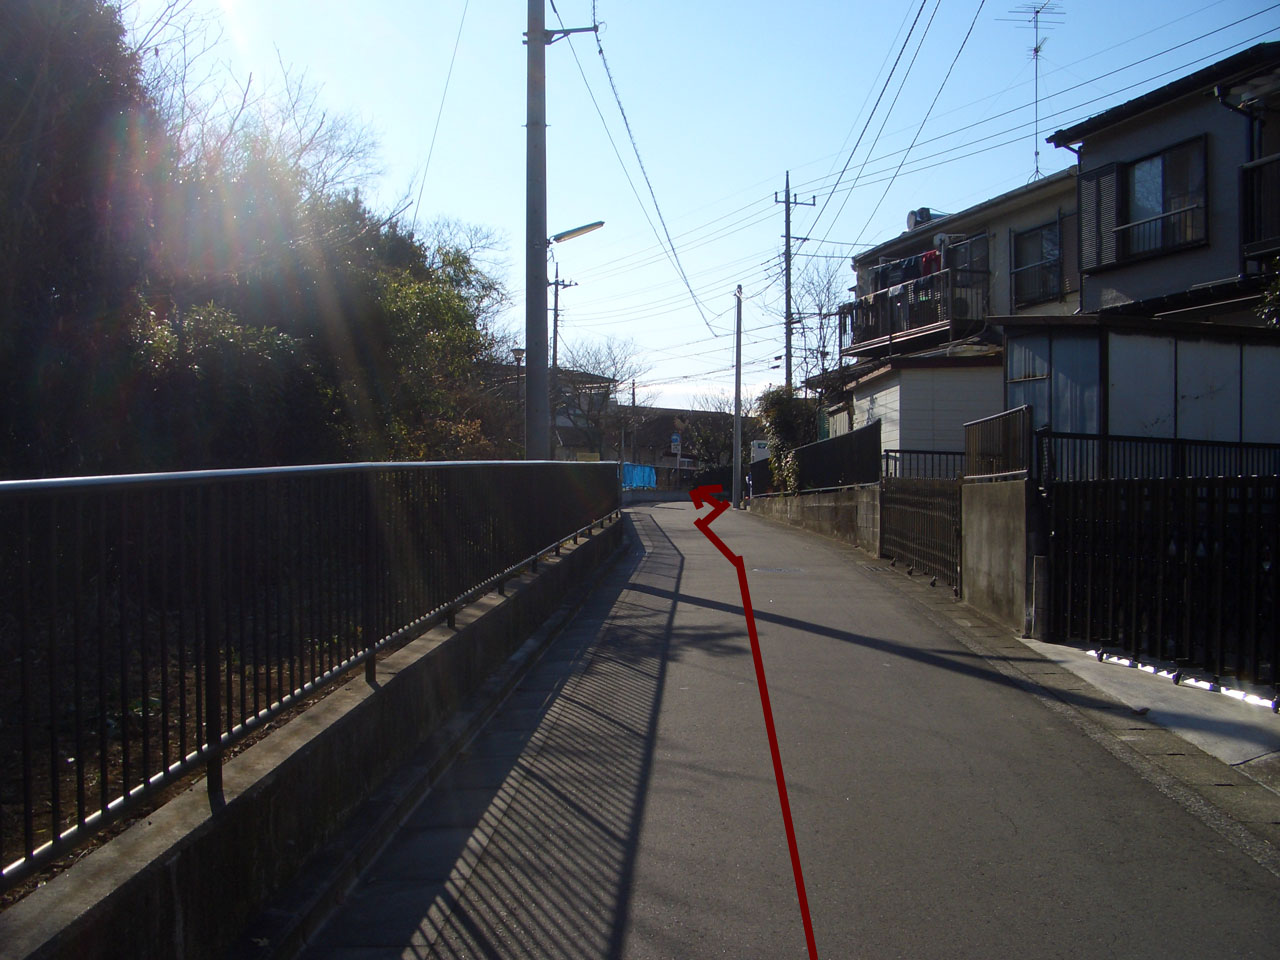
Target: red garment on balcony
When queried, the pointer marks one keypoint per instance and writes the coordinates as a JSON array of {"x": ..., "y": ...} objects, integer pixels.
[{"x": 930, "y": 262}]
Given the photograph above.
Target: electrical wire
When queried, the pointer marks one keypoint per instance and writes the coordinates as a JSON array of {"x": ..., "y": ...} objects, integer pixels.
[
  {"x": 875, "y": 106},
  {"x": 645, "y": 173},
  {"x": 932, "y": 104},
  {"x": 439, "y": 113}
]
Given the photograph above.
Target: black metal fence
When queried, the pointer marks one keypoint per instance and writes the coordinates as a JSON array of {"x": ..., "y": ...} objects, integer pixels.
[
  {"x": 998, "y": 445},
  {"x": 920, "y": 525},
  {"x": 1178, "y": 570},
  {"x": 148, "y": 622},
  {"x": 841, "y": 461},
  {"x": 928, "y": 464},
  {"x": 761, "y": 475},
  {"x": 1079, "y": 456}
]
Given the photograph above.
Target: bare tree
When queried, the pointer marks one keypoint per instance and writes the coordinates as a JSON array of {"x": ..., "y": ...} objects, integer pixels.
[
  {"x": 591, "y": 383},
  {"x": 710, "y": 427},
  {"x": 819, "y": 291}
]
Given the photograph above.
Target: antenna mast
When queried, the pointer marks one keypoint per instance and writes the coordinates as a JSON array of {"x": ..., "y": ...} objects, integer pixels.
[{"x": 1044, "y": 15}]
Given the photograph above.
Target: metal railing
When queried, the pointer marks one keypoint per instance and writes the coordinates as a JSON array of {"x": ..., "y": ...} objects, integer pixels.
[
  {"x": 1037, "y": 282},
  {"x": 149, "y": 622},
  {"x": 934, "y": 464},
  {"x": 998, "y": 445},
  {"x": 1082, "y": 456},
  {"x": 954, "y": 298},
  {"x": 1165, "y": 231},
  {"x": 1260, "y": 206},
  {"x": 920, "y": 526}
]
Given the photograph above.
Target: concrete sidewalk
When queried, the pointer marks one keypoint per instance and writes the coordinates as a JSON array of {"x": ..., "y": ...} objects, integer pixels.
[{"x": 622, "y": 802}]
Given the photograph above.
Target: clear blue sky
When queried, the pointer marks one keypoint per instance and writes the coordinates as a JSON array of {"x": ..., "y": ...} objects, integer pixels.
[{"x": 723, "y": 98}]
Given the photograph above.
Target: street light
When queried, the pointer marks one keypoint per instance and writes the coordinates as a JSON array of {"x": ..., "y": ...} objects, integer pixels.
[
  {"x": 575, "y": 232},
  {"x": 518, "y": 353},
  {"x": 538, "y": 379}
]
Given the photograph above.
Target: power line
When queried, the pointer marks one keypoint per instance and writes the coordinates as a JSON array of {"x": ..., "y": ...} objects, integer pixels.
[
  {"x": 875, "y": 106},
  {"x": 888, "y": 113},
  {"x": 645, "y": 173},
  {"x": 439, "y": 113},
  {"x": 932, "y": 104}
]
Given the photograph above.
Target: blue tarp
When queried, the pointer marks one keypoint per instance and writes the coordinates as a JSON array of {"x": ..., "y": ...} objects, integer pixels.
[{"x": 638, "y": 476}]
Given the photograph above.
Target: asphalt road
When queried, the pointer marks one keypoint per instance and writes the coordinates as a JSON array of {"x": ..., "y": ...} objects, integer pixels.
[{"x": 623, "y": 802}]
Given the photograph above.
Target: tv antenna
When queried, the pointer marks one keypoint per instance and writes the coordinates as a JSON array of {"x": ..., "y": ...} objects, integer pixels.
[{"x": 1038, "y": 17}]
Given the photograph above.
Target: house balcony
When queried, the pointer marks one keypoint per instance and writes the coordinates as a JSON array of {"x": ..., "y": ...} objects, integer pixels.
[
  {"x": 943, "y": 306},
  {"x": 1260, "y": 208}
]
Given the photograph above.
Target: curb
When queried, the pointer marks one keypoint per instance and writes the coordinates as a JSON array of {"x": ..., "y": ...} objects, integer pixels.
[{"x": 283, "y": 930}]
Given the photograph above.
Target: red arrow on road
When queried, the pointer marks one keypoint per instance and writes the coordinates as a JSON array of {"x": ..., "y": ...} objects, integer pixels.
[{"x": 701, "y": 496}]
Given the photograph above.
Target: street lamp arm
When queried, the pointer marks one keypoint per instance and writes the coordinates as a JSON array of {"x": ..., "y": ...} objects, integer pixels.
[{"x": 575, "y": 232}]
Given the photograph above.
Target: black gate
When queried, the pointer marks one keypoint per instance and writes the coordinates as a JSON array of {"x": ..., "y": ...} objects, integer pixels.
[
  {"x": 1170, "y": 569},
  {"x": 920, "y": 525}
]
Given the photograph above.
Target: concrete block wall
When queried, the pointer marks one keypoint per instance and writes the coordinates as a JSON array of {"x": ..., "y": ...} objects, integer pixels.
[
  {"x": 851, "y": 514},
  {"x": 183, "y": 881},
  {"x": 994, "y": 566}
]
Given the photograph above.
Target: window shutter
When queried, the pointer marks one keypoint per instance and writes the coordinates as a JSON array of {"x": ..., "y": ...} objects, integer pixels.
[{"x": 1097, "y": 200}]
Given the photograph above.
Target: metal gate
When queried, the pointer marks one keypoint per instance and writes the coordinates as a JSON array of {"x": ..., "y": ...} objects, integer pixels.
[{"x": 920, "y": 525}]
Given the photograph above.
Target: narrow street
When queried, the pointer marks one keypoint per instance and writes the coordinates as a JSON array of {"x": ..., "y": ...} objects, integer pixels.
[{"x": 623, "y": 804}]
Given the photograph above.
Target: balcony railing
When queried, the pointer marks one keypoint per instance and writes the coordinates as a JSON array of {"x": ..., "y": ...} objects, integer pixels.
[
  {"x": 953, "y": 300},
  {"x": 1183, "y": 227},
  {"x": 1037, "y": 282},
  {"x": 1260, "y": 207}
]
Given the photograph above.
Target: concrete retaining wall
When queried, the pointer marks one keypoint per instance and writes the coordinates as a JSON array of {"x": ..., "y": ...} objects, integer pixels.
[
  {"x": 851, "y": 514},
  {"x": 184, "y": 881},
  {"x": 994, "y": 565}
]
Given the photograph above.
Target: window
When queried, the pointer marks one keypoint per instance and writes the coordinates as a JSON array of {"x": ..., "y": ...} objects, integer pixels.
[
  {"x": 1037, "y": 265},
  {"x": 1154, "y": 205},
  {"x": 1165, "y": 197}
]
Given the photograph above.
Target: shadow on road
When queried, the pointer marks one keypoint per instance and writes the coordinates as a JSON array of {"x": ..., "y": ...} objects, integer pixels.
[{"x": 527, "y": 846}]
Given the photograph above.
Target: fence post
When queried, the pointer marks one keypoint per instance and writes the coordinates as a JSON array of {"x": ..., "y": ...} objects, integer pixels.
[
  {"x": 211, "y": 543},
  {"x": 369, "y": 613}
]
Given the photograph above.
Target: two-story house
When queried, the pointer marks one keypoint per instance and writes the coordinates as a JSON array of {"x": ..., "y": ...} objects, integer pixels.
[
  {"x": 1179, "y": 225},
  {"x": 918, "y": 350}
]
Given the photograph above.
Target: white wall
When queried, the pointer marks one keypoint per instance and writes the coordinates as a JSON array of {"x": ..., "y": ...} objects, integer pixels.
[
  {"x": 879, "y": 400},
  {"x": 1193, "y": 389},
  {"x": 936, "y": 403},
  {"x": 1209, "y": 390},
  {"x": 1143, "y": 371}
]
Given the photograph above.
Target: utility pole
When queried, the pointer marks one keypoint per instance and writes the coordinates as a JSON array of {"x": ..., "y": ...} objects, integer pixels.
[
  {"x": 737, "y": 404},
  {"x": 554, "y": 393},
  {"x": 788, "y": 203},
  {"x": 538, "y": 394}
]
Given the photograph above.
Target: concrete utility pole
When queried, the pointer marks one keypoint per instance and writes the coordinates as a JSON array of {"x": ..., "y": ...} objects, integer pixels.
[
  {"x": 537, "y": 429},
  {"x": 788, "y": 204},
  {"x": 537, "y": 406},
  {"x": 556, "y": 285},
  {"x": 737, "y": 405}
]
